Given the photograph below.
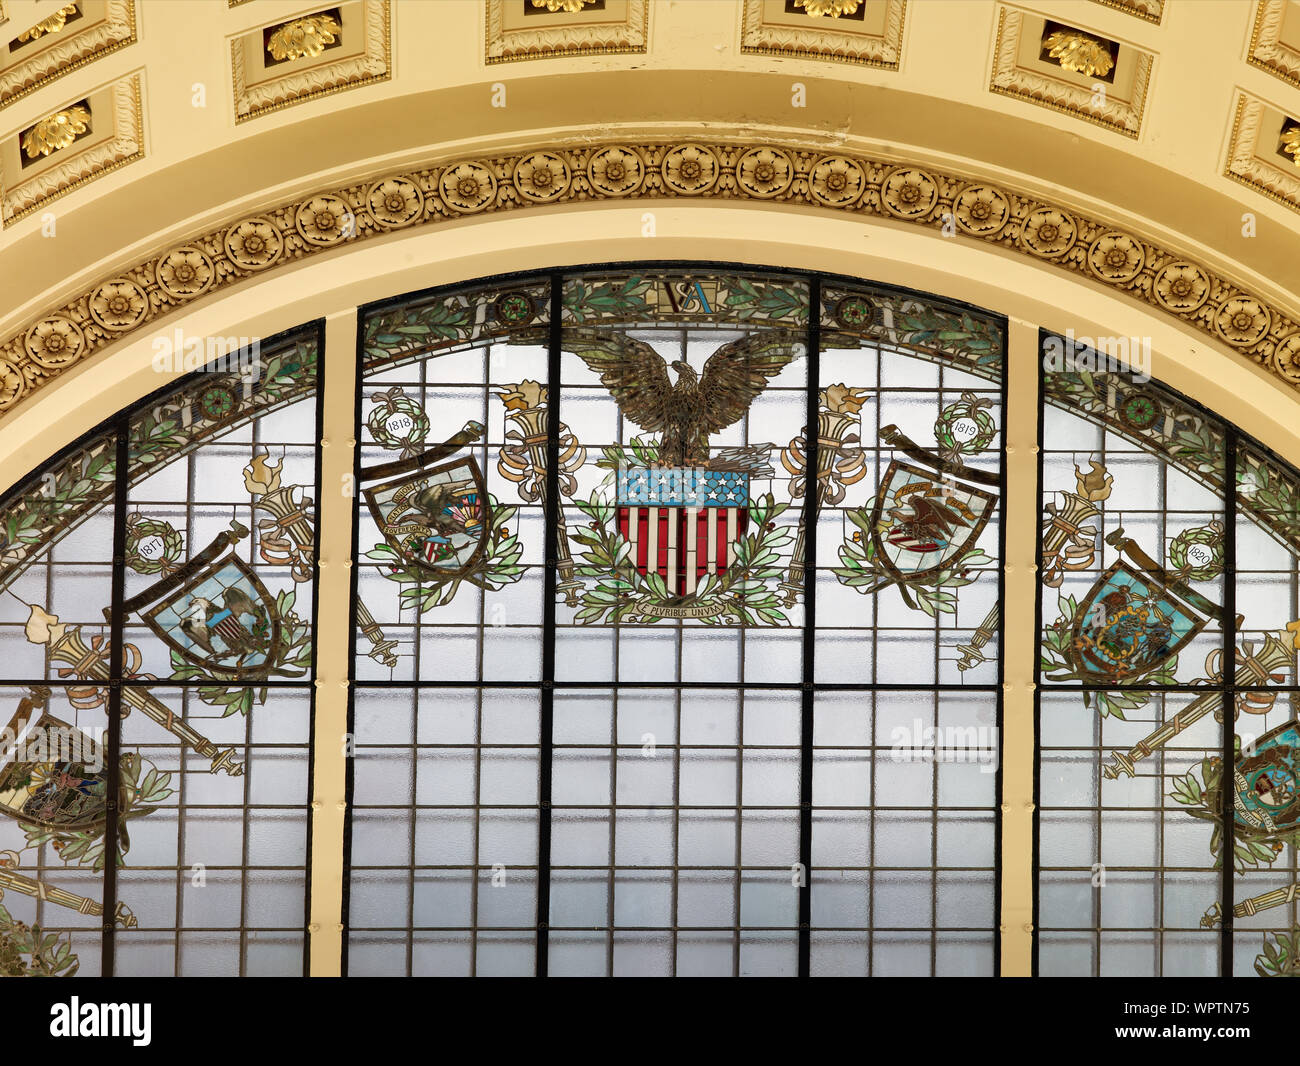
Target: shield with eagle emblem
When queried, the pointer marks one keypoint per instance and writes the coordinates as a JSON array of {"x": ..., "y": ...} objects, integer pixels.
[
  {"x": 682, "y": 504},
  {"x": 218, "y": 616},
  {"x": 1128, "y": 625},
  {"x": 923, "y": 521},
  {"x": 1266, "y": 786},
  {"x": 436, "y": 519}
]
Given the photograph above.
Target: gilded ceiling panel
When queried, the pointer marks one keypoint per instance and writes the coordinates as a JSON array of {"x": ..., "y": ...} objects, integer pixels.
[
  {"x": 62, "y": 150},
  {"x": 304, "y": 58},
  {"x": 74, "y": 35},
  {"x": 1070, "y": 69},
  {"x": 545, "y": 29},
  {"x": 850, "y": 31}
]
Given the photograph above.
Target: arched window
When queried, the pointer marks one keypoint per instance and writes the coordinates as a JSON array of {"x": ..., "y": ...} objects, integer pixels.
[
  {"x": 157, "y": 624},
  {"x": 1167, "y": 712},
  {"x": 703, "y": 741},
  {"x": 645, "y": 677}
]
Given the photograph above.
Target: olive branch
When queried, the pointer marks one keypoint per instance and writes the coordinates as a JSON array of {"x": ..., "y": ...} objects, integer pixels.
[
  {"x": 620, "y": 593},
  {"x": 1201, "y": 796},
  {"x": 1281, "y": 955},
  {"x": 28, "y": 951}
]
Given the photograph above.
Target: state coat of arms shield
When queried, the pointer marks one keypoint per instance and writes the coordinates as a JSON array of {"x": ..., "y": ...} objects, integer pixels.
[
  {"x": 923, "y": 521},
  {"x": 437, "y": 519},
  {"x": 1266, "y": 785},
  {"x": 1128, "y": 625},
  {"x": 219, "y": 616}
]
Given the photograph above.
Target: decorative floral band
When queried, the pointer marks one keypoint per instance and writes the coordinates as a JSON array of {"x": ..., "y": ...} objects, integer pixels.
[{"x": 1158, "y": 277}]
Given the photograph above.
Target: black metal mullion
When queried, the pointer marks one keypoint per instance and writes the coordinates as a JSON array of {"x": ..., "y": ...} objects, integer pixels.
[
  {"x": 1035, "y": 870},
  {"x": 1229, "y": 680},
  {"x": 116, "y": 660},
  {"x": 808, "y": 692},
  {"x": 550, "y": 513}
]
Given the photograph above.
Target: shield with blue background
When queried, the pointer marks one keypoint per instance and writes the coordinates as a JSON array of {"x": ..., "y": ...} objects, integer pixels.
[
  {"x": 1266, "y": 794},
  {"x": 220, "y": 617},
  {"x": 682, "y": 522},
  {"x": 1128, "y": 625}
]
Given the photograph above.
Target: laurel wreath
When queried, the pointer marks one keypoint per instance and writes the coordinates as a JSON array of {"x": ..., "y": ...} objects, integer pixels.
[
  {"x": 173, "y": 546},
  {"x": 1211, "y": 539},
  {"x": 498, "y": 567},
  {"x": 386, "y": 408},
  {"x": 969, "y": 406}
]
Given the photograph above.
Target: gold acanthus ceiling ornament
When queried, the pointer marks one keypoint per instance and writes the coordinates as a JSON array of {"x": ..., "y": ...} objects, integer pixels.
[
  {"x": 829, "y": 8},
  {"x": 53, "y": 24},
  {"x": 56, "y": 131},
  {"x": 811, "y": 177},
  {"x": 562, "y": 5},
  {"x": 1291, "y": 144},
  {"x": 1080, "y": 53},
  {"x": 304, "y": 37}
]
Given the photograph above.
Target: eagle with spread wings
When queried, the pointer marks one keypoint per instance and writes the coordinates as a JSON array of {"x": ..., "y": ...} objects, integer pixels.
[{"x": 686, "y": 412}]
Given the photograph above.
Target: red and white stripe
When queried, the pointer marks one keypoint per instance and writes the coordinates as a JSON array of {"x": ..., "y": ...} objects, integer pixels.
[{"x": 682, "y": 544}]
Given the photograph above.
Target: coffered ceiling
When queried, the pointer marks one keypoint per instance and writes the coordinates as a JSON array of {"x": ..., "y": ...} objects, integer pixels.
[{"x": 126, "y": 125}]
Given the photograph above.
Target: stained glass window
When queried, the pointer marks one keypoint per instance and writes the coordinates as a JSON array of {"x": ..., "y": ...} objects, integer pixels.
[
  {"x": 157, "y": 633},
  {"x": 636, "y": 695},
  {"x": 677, "y": 621},
  {"x": 1169, "y": 554}
]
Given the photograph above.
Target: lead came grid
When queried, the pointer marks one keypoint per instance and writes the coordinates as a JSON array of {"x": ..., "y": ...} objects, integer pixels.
[
  {"x": 663, "y": 812},
  {"x": 1124, "y": 874},
  {"x": 214, "y": 870}
]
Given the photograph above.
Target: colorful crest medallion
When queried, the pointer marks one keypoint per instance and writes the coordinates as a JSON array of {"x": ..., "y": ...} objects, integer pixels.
[
  {"x": 682, "y": 522},
  {"x": 219, "y": 616},
  {"x": 52, "y": 775},
  {"x": 437, "y": 520},
  {"x": 1266, "y": 787},
  {"x": 924, "y": 522},
  {"x": 1128, "y": 625}
]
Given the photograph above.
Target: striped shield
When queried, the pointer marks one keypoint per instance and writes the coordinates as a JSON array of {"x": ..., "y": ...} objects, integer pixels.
[{"x": 682, "y": 522}]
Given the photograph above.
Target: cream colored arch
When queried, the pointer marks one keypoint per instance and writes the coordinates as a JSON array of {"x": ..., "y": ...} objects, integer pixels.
[{"x": 1031, "y": 294}]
